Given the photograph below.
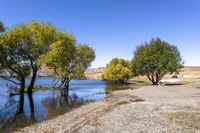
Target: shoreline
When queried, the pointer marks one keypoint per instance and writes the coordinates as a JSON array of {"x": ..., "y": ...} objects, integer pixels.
[{"x": 149, "y": 108}]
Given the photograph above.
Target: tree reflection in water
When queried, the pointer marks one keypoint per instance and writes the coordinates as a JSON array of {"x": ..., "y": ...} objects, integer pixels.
[
  {"x": 31, "y": 103},
  {"x": 61, "y": 102},
  {"x": 13, "y": 116},
  {"x": 110, "y": 87},
  {"x": 20, "y": 110}
]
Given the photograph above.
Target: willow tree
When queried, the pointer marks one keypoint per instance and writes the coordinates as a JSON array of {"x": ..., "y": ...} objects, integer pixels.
[
  {"x": 68, "y": 60},
  {"x": 117, "y": 69},
  {"x": 33, "y": 39},
  {"x": 155, "y": 59},
  {"x": 12, "y": 61},
  {"x": 42, "y": 35}
]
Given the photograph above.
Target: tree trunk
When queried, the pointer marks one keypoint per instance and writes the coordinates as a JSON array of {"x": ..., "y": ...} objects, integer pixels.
[
  {"x": 64, "y": 97},
  {"x": 155, "y": 82},
  {"x": 121, "y": 81},
  {"x": 22, "y": 85},
  {"x": 21, "y": 99},
  {"x": 64, "y": 91},
  {"x": 30, "y": 97},
  {"x": 32, "y": 83},
  {"x": 21, "y": 104},
  {"x": 31, "y": 103},
  {"x": 152, "y": 79},
  {"x": 65, "y": 85}
]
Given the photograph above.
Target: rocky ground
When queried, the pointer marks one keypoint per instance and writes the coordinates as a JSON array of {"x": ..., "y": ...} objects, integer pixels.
[{"x": 147, "y": 109}]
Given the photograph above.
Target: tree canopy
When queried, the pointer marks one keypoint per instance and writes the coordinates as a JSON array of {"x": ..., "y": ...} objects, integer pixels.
[
  {"x": 24, "y": 44},
  {"x": 67, "y": 59},
  {"x": 28, "y": 46},
  {"x": 117, "y": 69},
  {"x": 155, "y": 59},
  {"x": 12, "y": 60},
  {"x": 42, "y": 35}
]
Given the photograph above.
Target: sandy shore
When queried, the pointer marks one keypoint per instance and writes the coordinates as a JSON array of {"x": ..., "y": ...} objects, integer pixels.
[{"x": 148, "y": 109}]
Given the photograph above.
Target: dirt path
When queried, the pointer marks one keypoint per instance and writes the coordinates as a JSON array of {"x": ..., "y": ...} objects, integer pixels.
[{"x": 148, "y": 109}]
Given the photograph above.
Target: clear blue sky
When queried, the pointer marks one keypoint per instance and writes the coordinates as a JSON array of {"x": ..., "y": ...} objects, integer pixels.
[{"x": 115, "y": 27}]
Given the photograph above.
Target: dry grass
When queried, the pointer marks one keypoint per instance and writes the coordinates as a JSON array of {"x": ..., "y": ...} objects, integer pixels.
[{"x": 189, "y": 73}]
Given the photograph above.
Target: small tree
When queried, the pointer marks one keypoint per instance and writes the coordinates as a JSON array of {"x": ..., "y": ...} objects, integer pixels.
[
  {"x": 117, "y": 70},
  {"x": 155, "y": 59},
  {"x": 68, "y": 60}
]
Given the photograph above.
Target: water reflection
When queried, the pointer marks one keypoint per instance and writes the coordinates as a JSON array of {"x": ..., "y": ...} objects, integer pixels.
[
  {"x": 20, "y": 109},
  {"x": 110, "y": 87},
  {"x": 59, "y": 103},
  {"x": 25, "y": 109},
  {"x": 31, "y": 103},
  {"x": 14, "y": 116}
]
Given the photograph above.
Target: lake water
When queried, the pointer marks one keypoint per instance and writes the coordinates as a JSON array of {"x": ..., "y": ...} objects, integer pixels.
[{"x": 45, "y": 104}]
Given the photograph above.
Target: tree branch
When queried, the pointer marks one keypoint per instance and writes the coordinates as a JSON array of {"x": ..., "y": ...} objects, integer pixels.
[
  {"x": 10, "y": 80},
  {"x": 32, "y": 65},
  {"x": 148, "y": 75}
]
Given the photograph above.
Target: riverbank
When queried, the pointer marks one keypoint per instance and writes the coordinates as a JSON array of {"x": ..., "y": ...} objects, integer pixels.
[{"x": 148, "y": 109}]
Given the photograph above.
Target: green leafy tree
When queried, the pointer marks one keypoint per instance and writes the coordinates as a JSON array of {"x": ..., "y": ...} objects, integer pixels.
[
  {"x": 84, "y": 55},
  {"x": 42, "y": 35},
  {"x": 33, "y": 40},
  {"x": 60, "y": 57},
  {"x": 2, "y": 27},
  {"x": 12, "y": 62},
  {"x": 117, "y": 70},
  {"x": 155, "y": 59},
  {"x": 68, "y": 60}
]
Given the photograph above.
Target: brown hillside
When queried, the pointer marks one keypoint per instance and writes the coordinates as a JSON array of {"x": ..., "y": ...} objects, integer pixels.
[{"x": 186, "y": 72}]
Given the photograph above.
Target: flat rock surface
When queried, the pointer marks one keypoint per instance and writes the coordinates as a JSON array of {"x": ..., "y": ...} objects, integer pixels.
[{"x": 150, "y": 109}]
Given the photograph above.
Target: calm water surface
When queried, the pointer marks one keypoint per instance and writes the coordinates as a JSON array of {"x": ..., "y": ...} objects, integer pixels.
[{"x": 22, "y": 110}]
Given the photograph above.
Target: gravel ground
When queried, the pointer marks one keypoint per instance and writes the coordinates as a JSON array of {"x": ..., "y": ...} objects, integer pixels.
[{"x": 150, "y": 109}]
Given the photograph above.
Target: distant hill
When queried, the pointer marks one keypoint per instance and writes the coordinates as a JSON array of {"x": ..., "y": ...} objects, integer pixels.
[
  {"x": 191, "y": 70},
  {"x": 188, "y": 71},
  {"x": 94, "y": 73}
]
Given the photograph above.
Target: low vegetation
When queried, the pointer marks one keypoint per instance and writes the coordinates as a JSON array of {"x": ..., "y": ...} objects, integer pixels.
[
  {"x": 35, "y": 88},
  {"x": 117, "y": 69}
]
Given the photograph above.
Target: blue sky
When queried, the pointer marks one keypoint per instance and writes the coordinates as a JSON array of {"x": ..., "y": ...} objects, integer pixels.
[{"x": 115, "y": 27}]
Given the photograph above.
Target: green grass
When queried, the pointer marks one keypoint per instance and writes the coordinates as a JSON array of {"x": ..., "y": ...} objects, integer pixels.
[{"x": 36, "y": 88}]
